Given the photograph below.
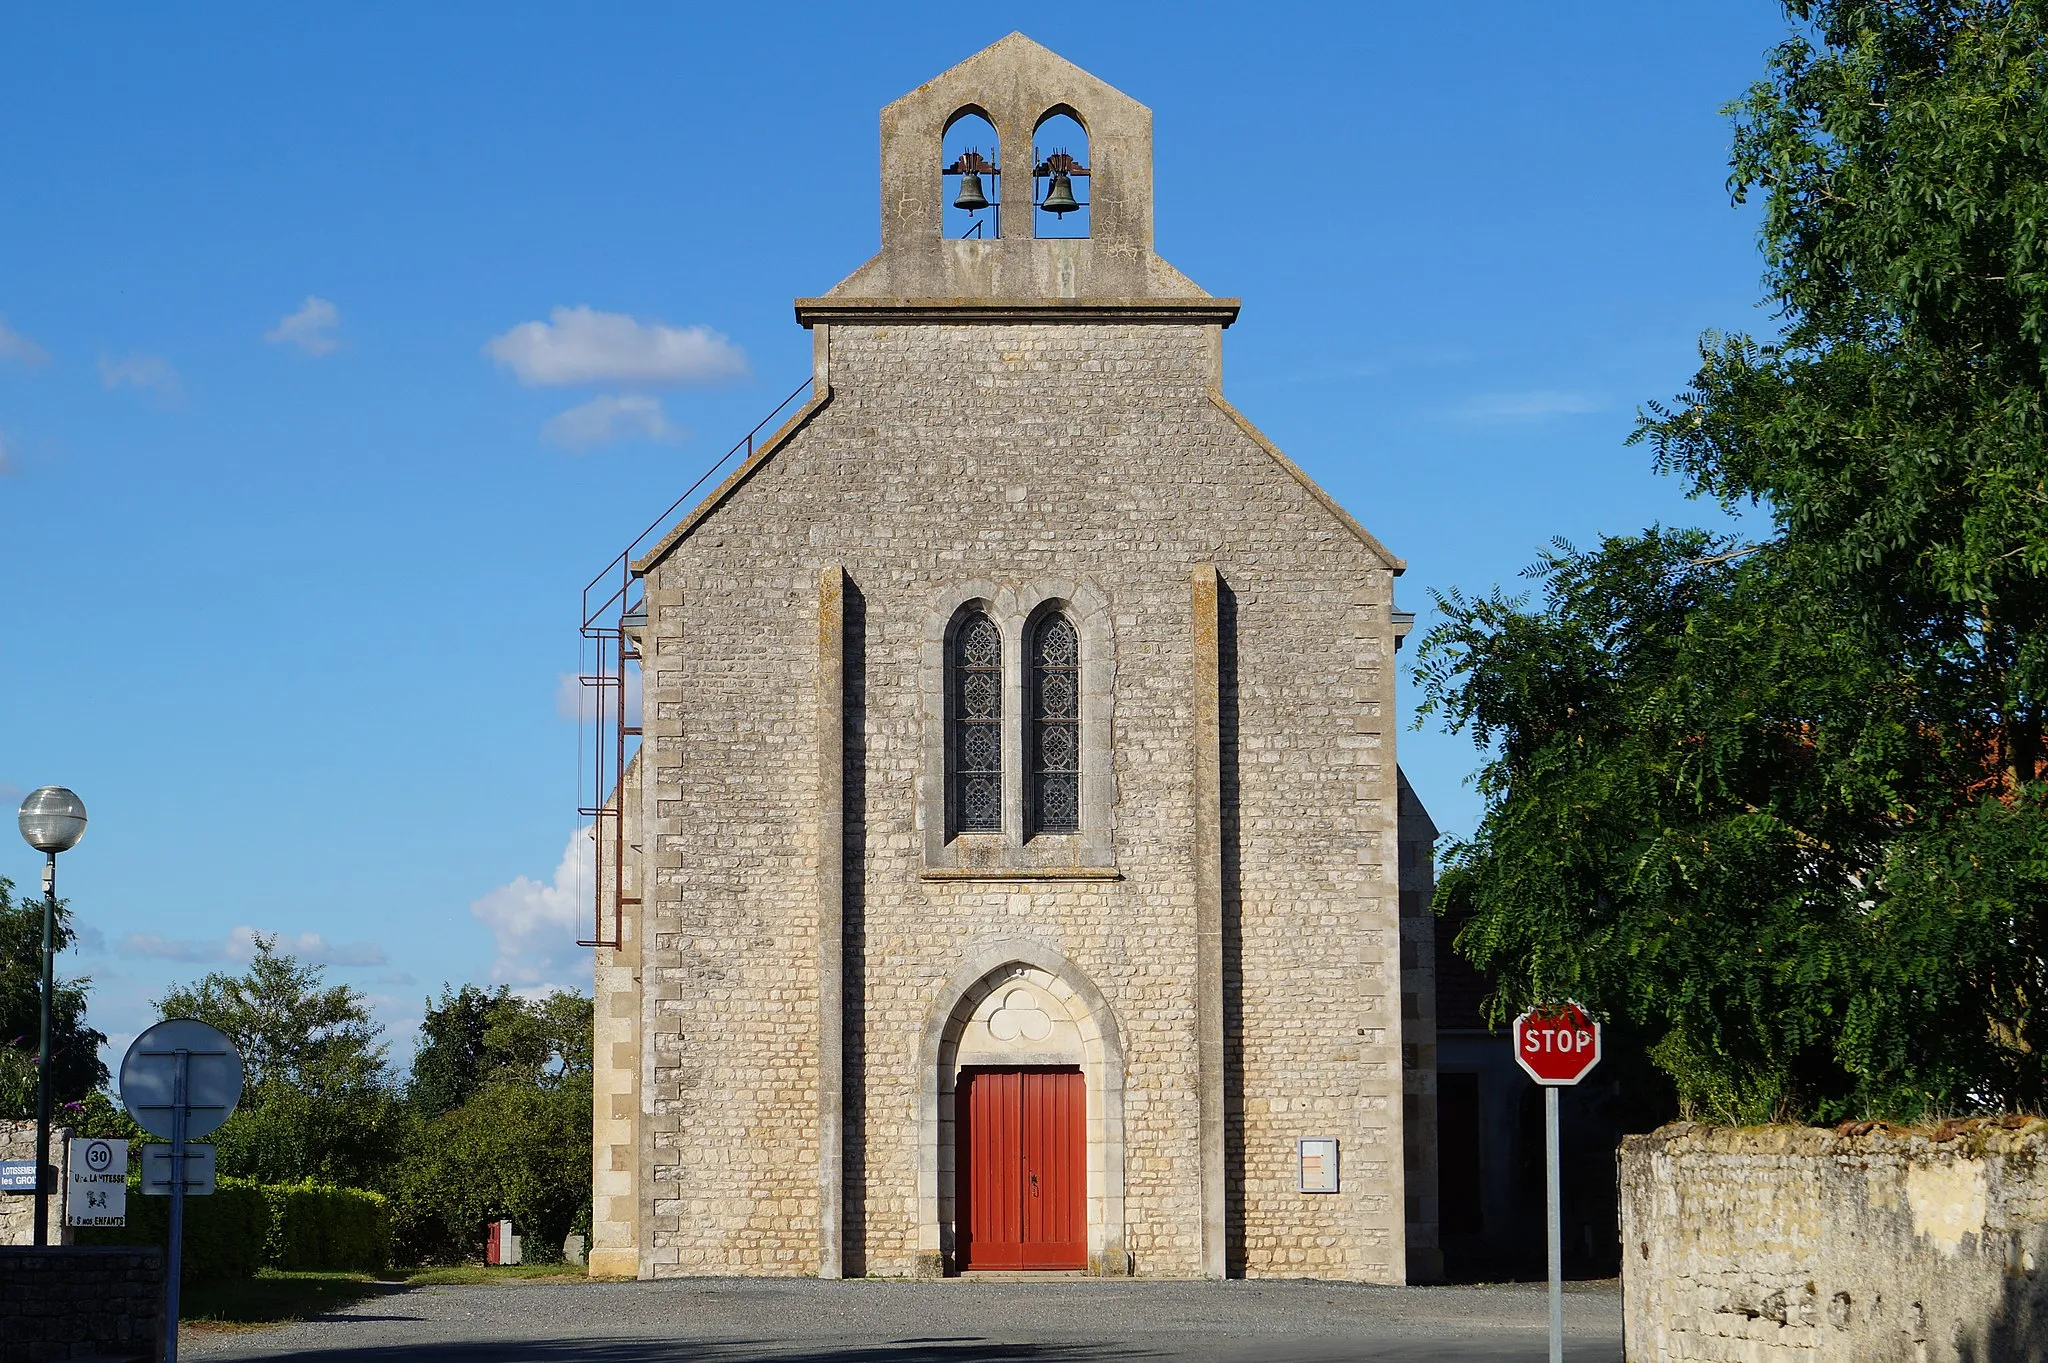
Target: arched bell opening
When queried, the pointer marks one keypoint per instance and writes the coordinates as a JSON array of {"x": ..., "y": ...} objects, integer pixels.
[
  {"x": 1060, "y": 178},
  {"x": 1020, "y": 1010},
  {"x": 970, "y": 160}
]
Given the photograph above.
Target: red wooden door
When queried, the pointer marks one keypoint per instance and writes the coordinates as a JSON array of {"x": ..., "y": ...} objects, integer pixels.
[{"x": 1022, "y": 1169}]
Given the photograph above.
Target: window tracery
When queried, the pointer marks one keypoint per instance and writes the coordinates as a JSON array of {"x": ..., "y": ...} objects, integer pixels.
[
  {"x": 1055, "y": 726},
  {"x": 978, "y": 726}
]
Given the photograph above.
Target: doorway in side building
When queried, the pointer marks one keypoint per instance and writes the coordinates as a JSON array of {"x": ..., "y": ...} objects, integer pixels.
[{"x": 1022, "y": 1168}]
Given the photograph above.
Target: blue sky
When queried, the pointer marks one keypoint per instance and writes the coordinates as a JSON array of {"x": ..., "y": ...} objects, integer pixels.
[{"x": 302, "y": 473}]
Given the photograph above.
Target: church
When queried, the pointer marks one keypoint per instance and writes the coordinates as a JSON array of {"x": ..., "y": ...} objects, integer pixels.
[{"x": 1014, "y": 873}]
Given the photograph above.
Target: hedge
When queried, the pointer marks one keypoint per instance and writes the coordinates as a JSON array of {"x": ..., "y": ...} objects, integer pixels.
[
  {"x": 223, "y": 1233},
  {"x": 244, "y": 1225},
  {"x": 315, "y": 1226}
]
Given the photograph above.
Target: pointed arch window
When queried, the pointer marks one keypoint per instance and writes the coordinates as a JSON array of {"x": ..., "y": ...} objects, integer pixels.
[
  {"x": 1055, "y": 726},
  {"x": 978, "y": 726}
]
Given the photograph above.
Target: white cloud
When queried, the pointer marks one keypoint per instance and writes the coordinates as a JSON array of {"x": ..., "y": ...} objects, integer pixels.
[
  {"x": 1533, "y": 405},
  {"x": 240, "y": 945},
  {"x": 309, "y": 947},
  {"x": 583, "y": 345},
  {"x": 577, "y": 702},
  {"x": 609, "y": 417},
  {"x": 87, "y": 940},
  {"x": 311, "y": 328},
  {"x": 536, "y": 925},
  {"x": 151, "y": 946},
  {"x": 152, "y": 373},
  {"x": 17, "y": 347}
]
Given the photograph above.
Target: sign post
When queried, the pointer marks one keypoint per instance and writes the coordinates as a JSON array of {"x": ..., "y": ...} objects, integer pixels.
[
  {"x": 180, "y": 1079},
  {"x": 1556, "y": 1047}
]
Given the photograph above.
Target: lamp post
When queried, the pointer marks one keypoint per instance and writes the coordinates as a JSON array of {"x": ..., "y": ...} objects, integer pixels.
[{"x": 52, "y": 821}]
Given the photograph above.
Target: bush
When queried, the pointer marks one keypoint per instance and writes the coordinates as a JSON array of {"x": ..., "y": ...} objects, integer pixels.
[
  {"x": 244, "y": 1225},
  {"x": 224, "y": 1233},
  {"x": 510, "y": 1151},
  {"x": 315, "y": 1227}
]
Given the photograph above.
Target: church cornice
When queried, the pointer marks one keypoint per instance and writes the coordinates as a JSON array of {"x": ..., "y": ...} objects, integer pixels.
[{"x": 1218, "y": 312}]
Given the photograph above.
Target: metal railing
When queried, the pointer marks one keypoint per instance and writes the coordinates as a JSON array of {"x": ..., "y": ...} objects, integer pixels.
[{"x": 612, "y": 600}]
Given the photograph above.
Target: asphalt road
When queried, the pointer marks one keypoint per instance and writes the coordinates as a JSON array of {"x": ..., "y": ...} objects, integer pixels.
[{"x": 1066, "y": 1321}]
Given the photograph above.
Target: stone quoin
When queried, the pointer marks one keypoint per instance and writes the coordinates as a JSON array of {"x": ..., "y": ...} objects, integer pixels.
[{"x": 1016, "y": 709}]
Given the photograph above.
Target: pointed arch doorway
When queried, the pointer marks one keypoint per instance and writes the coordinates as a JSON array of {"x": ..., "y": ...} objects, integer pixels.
[{"x": 1023, "y": 1075}]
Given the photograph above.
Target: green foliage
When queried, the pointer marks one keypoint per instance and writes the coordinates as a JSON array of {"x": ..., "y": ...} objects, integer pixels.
[
  {"x": 1784, "y": 803},
  {"x": 99, "y": 1114},
  {"x": 317, "y": 1101},
  {"x": 243, "y": 1226},
  {"x": 1895, "y": 432},
  {"x": 1684, "y": 790},
  {"x": 347, "y": 1136},
  {"x": 315, "y": 1227},
  {"x": 290, "y": 1025},
  {"x": 224, "y": 1232},
  {"x": 478, "y": 1037},
  {"x": 495, "y": 1120},
  {"x": 75, "y": 1068},
  {"x": 512, "y": 1149}
]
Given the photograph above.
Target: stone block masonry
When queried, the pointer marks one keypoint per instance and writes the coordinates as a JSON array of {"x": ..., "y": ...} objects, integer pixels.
[
  {"x": 18, "y": 1211},
  {"x": 1801, "y": 1245},
  {"x": 65, "y": 1303},
  {"x": 1008, "y": 430},
  {"x": 933, "y": 476}
]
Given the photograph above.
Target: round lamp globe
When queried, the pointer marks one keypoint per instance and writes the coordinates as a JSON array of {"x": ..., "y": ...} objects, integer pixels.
[{"x": 52, "y": 819}]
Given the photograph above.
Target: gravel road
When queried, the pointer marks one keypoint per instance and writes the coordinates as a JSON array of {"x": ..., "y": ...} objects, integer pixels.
[{"x": 755, "y": 1320}]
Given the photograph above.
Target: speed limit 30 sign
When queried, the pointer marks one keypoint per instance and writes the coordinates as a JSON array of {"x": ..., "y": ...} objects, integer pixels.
[{"x": 1557, "y": 1046}]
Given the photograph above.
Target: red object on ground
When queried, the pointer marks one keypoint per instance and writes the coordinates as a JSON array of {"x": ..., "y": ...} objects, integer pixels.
[
  {"x": 498, "y": 1243},
  {"x": 1021, "y": 1169},
  {"x": 1557, "y": 1046}
]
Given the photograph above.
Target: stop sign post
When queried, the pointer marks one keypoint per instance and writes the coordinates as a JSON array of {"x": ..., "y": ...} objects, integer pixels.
[{"x": 1557, "y": 1047}]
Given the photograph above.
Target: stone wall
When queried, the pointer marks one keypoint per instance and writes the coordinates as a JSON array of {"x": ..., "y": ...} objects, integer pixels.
[
  {"x": 18, "y": 1210},
  {"x": 1864, "y": 1245},
  {"x": 1418, "y": 836},
  {"x": 98, "y": 1303},
  {"x": 951, "y": 461},
  {"x": 615, "y": 1038}
]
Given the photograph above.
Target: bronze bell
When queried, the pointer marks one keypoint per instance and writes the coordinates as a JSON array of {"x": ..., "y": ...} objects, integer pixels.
[
  {"x": 1060, "y": 198},
  {"x": 971, "y": 198}
]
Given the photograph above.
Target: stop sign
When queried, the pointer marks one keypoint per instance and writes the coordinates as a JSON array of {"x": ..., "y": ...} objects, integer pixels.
[{"x": 1558, "y": 1045}]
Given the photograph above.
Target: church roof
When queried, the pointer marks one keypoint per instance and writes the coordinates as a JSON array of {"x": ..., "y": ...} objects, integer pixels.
[{"x": 1112, "y": 276}]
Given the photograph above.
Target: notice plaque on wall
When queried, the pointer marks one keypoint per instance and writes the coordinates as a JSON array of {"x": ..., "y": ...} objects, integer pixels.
[{"x": 1316, "y": 1164}]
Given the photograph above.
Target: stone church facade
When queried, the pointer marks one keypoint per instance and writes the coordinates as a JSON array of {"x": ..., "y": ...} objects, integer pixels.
[{"x": 1017, "y": 870}]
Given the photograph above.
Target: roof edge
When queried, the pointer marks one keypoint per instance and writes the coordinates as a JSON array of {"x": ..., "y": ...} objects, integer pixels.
[
  {"x": 986, "y": 311},
  {"x": 1330, "y": 504},
  {"x": 716, "y": 497}
]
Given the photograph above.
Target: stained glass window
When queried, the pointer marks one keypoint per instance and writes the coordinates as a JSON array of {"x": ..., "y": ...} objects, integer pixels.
[
  {"x": 978, "y": 726},
  {"x": 1055, "y": 726}
]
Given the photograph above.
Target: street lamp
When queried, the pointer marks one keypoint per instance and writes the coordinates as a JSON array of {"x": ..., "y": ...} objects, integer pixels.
[{"x": 52, "y": 821}]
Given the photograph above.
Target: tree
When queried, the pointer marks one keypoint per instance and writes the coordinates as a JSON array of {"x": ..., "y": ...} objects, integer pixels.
[
  {"x": 291, "y": 1027},
  {"x": 512, "y": 1150},
  {"x": 1685, "y": 789},
  {"x": 501, "y": 1089},
  {"x": 317, "y": 1100},
  {"x": 75, "y": 1066},
  {"x": 479, "y": 1036},
  {"x": 1786, "y": 801}
]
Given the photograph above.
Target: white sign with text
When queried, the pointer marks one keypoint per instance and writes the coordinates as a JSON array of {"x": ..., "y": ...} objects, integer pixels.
[{"x": 98, "y": 1191}]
